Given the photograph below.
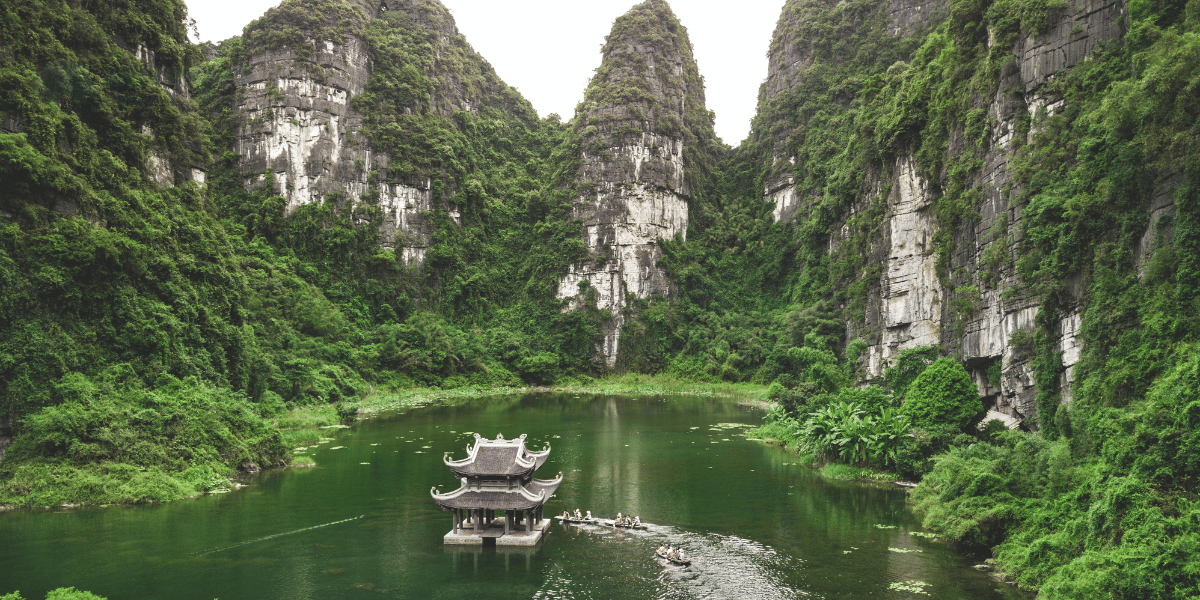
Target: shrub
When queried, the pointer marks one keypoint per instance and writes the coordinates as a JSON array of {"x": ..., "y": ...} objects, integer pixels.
[
  {"x": 909, "y": 365},
  {"x": 798, "y": 401},
  {"x": 943, "y": 395},
  {"x": 67, "y": 593}
]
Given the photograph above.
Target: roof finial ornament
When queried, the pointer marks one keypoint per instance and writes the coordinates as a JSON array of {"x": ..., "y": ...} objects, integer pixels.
[{"x": 499, "y": 436}]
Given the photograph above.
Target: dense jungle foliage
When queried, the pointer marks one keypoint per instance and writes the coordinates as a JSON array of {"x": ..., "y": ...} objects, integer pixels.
[
  {"x": 151, "y": 334},
  {"x": 1099, "y": 502}
]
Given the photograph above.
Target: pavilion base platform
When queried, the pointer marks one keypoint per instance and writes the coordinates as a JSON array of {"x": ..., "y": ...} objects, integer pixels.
[{"x": 468, "y": 537}]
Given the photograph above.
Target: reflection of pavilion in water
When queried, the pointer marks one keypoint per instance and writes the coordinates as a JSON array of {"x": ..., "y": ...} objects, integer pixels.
[{"x": 497, "y": 476}]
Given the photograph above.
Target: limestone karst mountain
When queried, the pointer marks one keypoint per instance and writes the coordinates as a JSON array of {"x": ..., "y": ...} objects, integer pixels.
[
  {"x": 911, "y": 304},
  {"x": 647, "y": 140},
  {"x": 309, "y": 72}
]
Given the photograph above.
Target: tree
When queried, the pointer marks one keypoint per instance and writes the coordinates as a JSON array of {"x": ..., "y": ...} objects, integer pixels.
[{"x": 943, "y": 395}]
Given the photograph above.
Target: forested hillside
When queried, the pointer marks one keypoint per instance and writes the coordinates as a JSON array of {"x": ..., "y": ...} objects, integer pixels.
[{"x": 960, "y": 244}]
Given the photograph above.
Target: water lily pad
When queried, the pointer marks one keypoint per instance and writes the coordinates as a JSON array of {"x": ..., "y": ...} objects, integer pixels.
[
  {"x": 878, "y": 526},
  {"x": 912, "y": 586},
  {"x": 337, "y": 447},
  {"x": 364, "y": 463}
]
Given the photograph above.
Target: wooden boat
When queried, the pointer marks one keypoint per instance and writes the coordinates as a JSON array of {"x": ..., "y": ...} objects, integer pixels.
[
  {"x": 614, "y": 524},
  {"x": 592, "y": 521},
  {"x": 663, "y": 555}
]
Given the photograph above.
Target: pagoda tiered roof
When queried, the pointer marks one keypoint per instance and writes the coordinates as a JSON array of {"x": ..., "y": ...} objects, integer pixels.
[
  {"x": 498, "y": 458},
  {"x": 520, "y": 496},
  {"x": 498, "y": 475}
]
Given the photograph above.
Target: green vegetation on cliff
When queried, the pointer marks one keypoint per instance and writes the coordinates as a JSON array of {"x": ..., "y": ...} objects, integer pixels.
[
  {"x": 152, "y": 329},
  {"x": 1099, "y": 502}
]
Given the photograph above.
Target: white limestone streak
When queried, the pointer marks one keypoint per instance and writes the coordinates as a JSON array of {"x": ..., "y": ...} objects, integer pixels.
[
  {"x": 649, "y": 215},
  {"x": 911, "y": 289}
]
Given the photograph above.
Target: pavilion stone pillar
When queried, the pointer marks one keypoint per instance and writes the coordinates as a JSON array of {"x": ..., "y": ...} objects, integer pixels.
[
  {"x": 528, "y": 521},
  {"x": 454, "y": 518},
  {"x": 507, "y": 521},
  {"x": 477, "y": 520}
]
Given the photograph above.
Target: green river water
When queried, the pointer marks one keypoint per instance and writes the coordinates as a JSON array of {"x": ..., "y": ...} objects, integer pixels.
[{"x": 362, "y": 525}]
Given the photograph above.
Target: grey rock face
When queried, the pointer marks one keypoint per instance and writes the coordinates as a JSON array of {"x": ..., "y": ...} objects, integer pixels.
[
  {"x": 298, "y": 121},
  {"x": 911, "y": 294},
  {"x": 906, "y": 17},
  {"x": 1084, "y": 25},
  {"x": 634, "y": 162},
  {"x": 911, "y": 308},
  {"x": 158, "y": 162},
  {"x": 300, "y": 124}
]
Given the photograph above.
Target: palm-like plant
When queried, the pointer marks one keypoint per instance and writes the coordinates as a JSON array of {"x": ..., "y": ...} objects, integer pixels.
[{"x": 842, "y": 430}]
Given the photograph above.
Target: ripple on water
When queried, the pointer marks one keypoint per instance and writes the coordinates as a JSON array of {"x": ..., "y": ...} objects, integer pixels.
[{"x": 723, "y": 566}]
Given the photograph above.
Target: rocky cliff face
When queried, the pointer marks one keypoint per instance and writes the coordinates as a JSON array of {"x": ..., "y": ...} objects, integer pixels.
[
  {"x": 641, "y": 116},
  {"x": 910, "y": 308},
  {"x": 300, "y": 121}
]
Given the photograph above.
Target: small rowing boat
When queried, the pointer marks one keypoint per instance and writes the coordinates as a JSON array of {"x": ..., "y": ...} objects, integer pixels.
[
  {"x": 622, "y": 525},
  {"x": 577, "y": 521},
  {"x": 678, "y": 561}
]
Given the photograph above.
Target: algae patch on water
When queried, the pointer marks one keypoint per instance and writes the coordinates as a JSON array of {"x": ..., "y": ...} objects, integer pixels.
[{"x": 913, "y": 586}]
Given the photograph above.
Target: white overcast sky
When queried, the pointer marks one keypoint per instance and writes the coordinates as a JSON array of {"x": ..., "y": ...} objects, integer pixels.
[{"x": 548, "y": 49}]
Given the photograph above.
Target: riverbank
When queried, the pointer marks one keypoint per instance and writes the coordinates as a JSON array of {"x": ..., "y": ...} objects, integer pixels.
[
  {"x": 162, "y": 466},
  {"x": 303, "y": 424},
  {"x": 777, "y": 433}
]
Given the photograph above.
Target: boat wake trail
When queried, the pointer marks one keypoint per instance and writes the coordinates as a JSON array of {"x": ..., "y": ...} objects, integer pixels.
[{"x": 273, "y": 536}]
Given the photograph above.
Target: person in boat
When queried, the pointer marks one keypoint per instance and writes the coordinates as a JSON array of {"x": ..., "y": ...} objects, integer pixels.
[
  {"x": 637, "y": 521},
  {"x": 566, "y": 515},
  {"x": 589, "y": 516},
  {"x": 579, "y": 515},
  {"x": 619, "y": 520},
  {"x": 674, "y": 554}
]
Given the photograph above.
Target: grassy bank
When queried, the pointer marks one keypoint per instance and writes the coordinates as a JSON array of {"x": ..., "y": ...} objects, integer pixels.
[
  {"x": 113, "y": 443},
  {"x": 303, "y": 424}
]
